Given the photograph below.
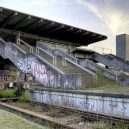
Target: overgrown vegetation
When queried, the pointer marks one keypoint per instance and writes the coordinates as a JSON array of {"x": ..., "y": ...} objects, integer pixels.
[
  {"x": 8, "y": 93},
  {"x": 101, "y": 83},
  {"x": 24, "y": 97}
]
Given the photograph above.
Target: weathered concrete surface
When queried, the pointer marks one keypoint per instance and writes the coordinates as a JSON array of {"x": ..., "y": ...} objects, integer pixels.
[
  {"x": 87, "y": 64},
  {"x": 112, "y": 61},
  {"x": 101, "y": 93},
  {"x": 43, "y": 71},
  {"x": 100, "y": 104}
]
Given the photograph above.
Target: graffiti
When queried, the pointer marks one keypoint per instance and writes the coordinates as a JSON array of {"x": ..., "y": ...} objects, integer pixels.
[
  {"x": 112, "y": 106},
  {"x": 6, "y": 75},
  {"x": 25, "y": 65},
  {"x": 11, "y": 49},
  {"x": 33, "y": 66}
]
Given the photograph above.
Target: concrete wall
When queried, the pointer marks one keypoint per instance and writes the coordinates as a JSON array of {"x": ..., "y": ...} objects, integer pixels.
[
  {"x": 109, "y": 105},
  {"x": 96, "y": 68},
  {"x": 112, "y": 62}
]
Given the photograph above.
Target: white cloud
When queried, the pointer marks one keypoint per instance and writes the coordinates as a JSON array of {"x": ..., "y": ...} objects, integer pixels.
[
  {"x": 114, "y": 19},
  {"x": 50, "y": 2},
  {"x": 44, "y": 2}
]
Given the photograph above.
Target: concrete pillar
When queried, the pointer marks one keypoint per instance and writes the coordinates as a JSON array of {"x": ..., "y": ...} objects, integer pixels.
[{"x": 18, "y": 37}]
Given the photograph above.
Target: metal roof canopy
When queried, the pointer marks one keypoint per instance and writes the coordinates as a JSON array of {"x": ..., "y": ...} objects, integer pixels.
[{"x": 14, "y": 20}]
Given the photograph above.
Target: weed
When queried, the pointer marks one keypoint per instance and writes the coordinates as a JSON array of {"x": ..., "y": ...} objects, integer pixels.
[
  {"x": 24, "y": 97},
  {"x": 8, "y": 93}
]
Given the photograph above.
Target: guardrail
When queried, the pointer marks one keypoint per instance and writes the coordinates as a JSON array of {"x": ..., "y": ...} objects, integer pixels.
[
  {"x": 81, "y": 67},
  {"x": 19, "y": 41},
  {"x": 100, "y": 69},
  {"x": 2, "y": 47},
  {"x": 18, "y": 48},
  {"x": 39, "y": 57},
  {"x": 66, "y": 55},
  {"x": 44, "y": 48}
]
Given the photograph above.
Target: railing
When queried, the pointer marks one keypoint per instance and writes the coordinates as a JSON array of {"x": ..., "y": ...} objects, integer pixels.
[
  {"x": 49, "y": 54},
  {"x": 102, "y": 50},
  {"x": 81, "y": 67},
  {"x": 52, "y": 66},
  {"x": 19, "y": 41},
  {"x": 118, "y": 58},
  {"x": 2, "y": 47},
  {"x": 18, "y": 48},
  {"x": 44, "y": 47},
  {"x": 66, "y": 55},
  {"x": 100, "y": 69},
  {"x": 2, "y": 41}
]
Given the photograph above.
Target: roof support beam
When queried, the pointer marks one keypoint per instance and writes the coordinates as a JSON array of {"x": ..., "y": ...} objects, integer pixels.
[
  {"x": 54, "y": 29},
  {"x": 22, "y": 22},
  {"x": 66, "y": 30},
  {"x": 44, "y": 26},
  {"x": 41, "y": 27},
  {"x": 7, "y": 19},
  {"x": 33, "y": 25}
]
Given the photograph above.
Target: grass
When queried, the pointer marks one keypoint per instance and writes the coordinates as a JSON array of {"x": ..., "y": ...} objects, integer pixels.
[
  {"x": 7, "y": 93},
  {"x": 12, "y": 121},
  {"x": 104, "y": 84},
  {"x": 24, "y": 97},
  {"x": 110, "y": 88}
]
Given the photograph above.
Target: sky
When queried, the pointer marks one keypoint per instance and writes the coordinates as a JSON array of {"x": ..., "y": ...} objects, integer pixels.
[{"x": 107, "y": 17}]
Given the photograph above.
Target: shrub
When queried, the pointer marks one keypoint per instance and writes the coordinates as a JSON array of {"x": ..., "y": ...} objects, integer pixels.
[
  {"x": 24, "y": 97},
  {"x": 8, "y": 93}
]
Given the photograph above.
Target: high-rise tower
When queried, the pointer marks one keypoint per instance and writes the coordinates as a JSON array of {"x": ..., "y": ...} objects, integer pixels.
[{"x": 122, "y": 46}]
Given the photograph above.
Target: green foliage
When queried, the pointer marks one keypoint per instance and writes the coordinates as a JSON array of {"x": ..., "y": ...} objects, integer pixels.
[
  {"x": 24, "y": 97},
  {"x": 8, "y": 93}
]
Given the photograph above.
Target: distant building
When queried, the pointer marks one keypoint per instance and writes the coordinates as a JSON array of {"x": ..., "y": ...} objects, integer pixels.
[{"x": 122, "y": 46}]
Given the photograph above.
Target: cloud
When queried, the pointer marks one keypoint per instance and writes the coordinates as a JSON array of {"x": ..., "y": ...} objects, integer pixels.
[
  {"x": 50, "y": 2},
  {"x": 116, "y": 20},
  {"x": 44, "y": 2}
]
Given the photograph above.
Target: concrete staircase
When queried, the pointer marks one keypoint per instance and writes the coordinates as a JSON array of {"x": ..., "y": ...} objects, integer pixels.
[
  {"x": 112, "y": 61},
  {"x": 48, "y": 69},
  {"x": 64, "y": 61},
  {"x": 88, "y": 64}
]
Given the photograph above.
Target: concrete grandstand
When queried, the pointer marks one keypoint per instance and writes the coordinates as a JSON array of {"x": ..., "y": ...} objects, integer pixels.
[{"x": 44, "y": 49}]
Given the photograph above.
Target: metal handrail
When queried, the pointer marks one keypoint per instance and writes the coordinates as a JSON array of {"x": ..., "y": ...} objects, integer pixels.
[
  {"x": 81, "y": 67},
  {"x": 38, "y": 56},
  {"x": 30, "y": 47},
  {"x": 101, "y": 68},
  {"x": 54, "y": 57},
  {"x": 68, "y": 55},
  {"x": 43, "y": 45}
]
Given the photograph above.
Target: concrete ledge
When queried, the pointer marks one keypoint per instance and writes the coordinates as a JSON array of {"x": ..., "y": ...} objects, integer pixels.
[{"x": 82, "y": 92}]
